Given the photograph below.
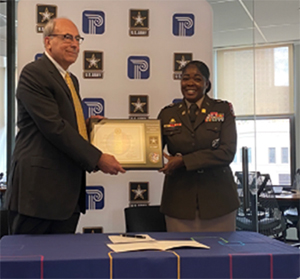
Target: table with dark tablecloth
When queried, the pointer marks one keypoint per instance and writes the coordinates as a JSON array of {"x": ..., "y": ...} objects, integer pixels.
[{"x": 231, "y": 255}]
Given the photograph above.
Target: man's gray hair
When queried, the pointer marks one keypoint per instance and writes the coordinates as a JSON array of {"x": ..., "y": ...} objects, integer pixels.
[{"x": 49, "y": 28}]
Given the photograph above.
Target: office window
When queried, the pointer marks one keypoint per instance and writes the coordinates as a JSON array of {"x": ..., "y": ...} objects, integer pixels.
[
  {"x": 249, "y": 155},
  {"x": 241, "y": 155},
  {"x": 272, "y": 155},
  {"x": 235, "y": 157},
  {"x": 3, "y": 115},
  {"x": 3, "y": 90},
  {"x": 284, "y": 179},
  {"x": 281, "y": 74},
  {"x": 263, "y": 136},
  {"x": 258, "y": 81},
  {"x": 284, "y": 155}
]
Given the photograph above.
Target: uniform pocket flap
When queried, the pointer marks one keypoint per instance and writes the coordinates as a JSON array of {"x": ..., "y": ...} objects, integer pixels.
[
  {"x": 171, "y": 131},
  {"x": 213, "y": 126}
]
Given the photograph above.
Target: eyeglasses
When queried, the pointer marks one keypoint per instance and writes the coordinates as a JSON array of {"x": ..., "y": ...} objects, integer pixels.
[{"x": 68, "y": 37}]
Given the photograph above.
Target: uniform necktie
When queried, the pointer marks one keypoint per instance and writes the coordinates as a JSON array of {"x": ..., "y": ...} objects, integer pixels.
[
  {"x": 193, "y": 110},
  {"x": 78, "y": 108}
]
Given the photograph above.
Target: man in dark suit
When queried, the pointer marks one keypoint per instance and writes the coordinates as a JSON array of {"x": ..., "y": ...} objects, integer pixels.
[{"x": 46, "y": 186}]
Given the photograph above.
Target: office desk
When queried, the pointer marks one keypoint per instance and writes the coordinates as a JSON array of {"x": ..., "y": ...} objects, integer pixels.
[
  {"x": 232, "y": 255},
  {"x": 286, "y": 201}
]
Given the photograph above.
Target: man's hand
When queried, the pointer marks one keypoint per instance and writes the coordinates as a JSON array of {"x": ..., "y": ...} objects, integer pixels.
[
  {"x": 174, "y": 162},
  {"x": 108, "y": 164},
  {"x": 87, "y": 121}
]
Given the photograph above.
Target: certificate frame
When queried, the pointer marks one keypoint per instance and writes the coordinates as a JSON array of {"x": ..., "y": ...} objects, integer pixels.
[{"x": 135, "y": 143}]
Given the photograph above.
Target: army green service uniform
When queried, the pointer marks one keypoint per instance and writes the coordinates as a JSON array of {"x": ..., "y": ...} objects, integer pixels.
[{"x": 208, "y": 147}]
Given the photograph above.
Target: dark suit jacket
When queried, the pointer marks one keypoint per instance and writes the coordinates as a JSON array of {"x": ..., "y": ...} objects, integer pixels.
[
  {"x": 47, "y": 178},
  {"x": 208, "y": 148}
]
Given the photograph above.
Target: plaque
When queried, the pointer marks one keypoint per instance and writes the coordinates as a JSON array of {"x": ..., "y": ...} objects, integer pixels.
[{"x": 135, "y": 143}]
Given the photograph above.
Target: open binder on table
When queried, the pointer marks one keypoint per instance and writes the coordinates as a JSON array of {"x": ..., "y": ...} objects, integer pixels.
[{"x": 141, "y": 242}]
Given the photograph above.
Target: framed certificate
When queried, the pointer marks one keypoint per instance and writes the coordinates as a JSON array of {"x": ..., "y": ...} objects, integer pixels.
[{"x": 136, "y": 144}]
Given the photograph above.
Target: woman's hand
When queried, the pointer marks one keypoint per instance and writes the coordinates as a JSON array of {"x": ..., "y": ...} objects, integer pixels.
[{"x": 174, "y": 162}]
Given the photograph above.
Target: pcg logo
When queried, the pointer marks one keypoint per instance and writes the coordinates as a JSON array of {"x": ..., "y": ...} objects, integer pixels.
[
  {"x": 93, "y": 106},
  {"x": 94, "y": 197},
  {"x": 93, "y": 22},
  {"x": 183, "y": 25},
  {"x": 138, "y": 67}
]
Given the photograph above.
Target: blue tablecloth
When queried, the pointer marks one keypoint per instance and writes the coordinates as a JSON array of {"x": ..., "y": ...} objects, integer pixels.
[{"x": 232, "y": 255}]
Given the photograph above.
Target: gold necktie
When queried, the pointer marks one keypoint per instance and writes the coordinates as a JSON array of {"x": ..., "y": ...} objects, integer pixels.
[{"x": 78, "y": 108}]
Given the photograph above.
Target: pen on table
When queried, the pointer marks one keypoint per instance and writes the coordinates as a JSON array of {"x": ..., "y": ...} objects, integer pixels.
[{"x": 133, "y": 235}]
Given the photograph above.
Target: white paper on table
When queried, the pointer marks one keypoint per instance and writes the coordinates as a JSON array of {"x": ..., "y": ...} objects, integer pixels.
[{"x": 162, "y": 245}]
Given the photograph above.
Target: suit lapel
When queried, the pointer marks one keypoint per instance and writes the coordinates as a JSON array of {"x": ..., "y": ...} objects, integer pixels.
[{"x": 57, "y": 76}]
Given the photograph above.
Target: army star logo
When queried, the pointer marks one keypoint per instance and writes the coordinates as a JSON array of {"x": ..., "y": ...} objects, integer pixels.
[
  {"x": 138, "y": 192},
  {"x": 153, "y": 140},
  {"x": 138, "y": 105},
  {"x": 93, "y": 62},
  {"x": 182, "y": 62},
  {"x": 46, "y": 15},
  {"x": 139, "y": 19},
  {"x": 138, "y": 23}
]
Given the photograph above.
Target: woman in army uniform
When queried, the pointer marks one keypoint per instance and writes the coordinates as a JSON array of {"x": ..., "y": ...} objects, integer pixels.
[{"x": 199, "y": 192}]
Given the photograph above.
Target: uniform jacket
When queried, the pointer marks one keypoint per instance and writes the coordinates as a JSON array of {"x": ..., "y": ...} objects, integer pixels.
[
  {"x": 208, "y": 148},
  {"x": 47, "y": 178}
]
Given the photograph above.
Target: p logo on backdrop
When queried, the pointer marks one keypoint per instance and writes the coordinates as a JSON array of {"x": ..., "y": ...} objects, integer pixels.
[
  {"x": 138, "y": 67},
  {"x": 183, "y": 25},
  {"x": 94, "y": 197},
  {"x": 92, "y": 106},
  {"x": 93, "y": 22},
  {"x": 176, "y": 100},
  {"x": 38, "y": 56}
]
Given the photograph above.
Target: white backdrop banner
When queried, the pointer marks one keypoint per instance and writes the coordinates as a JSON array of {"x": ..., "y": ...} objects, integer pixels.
[{"x": 128, "y": 67}]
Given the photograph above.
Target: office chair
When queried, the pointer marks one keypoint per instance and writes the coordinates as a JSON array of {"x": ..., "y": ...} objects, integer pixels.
[
  {"x": 291, "y": 214},
  {"x": 293, "y": 220},
  {"x": 144, "y": 219},
  {"x": 270, "y": 220}
]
